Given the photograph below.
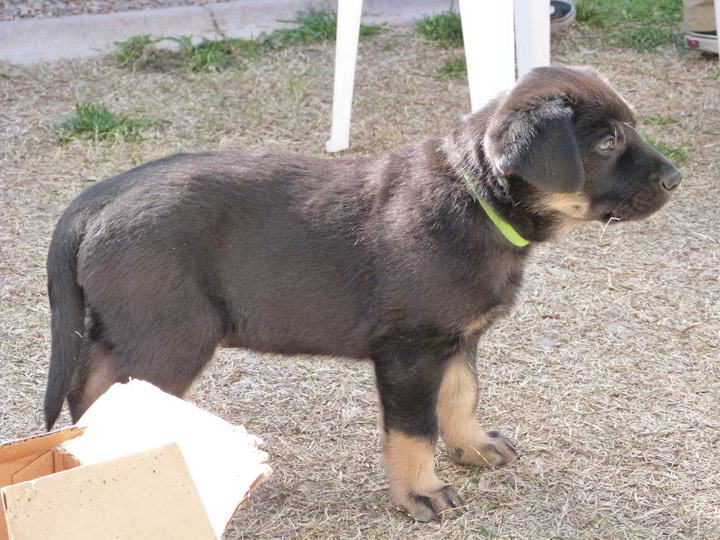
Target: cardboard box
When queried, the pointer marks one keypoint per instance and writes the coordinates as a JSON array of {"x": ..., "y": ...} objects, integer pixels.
[{"x": 139, "y": 464}]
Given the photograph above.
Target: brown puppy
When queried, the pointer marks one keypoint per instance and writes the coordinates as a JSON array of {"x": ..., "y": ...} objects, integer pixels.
[{"x": 403, "y": 258}]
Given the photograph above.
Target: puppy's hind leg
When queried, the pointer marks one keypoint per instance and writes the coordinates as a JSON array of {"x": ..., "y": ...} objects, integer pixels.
[
  {"x": 95, "y": 374},
  {"x": 169, "y": 352}
]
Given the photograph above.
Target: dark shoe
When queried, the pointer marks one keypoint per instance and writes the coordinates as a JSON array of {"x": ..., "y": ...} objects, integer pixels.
[{"x": 562, "y": 15}]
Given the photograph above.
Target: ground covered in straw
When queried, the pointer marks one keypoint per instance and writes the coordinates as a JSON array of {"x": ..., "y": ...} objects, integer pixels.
[{"x": 607, "y": 375}]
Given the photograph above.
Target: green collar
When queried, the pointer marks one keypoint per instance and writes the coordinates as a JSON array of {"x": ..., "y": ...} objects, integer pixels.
[{"x": 504, "y": 227}]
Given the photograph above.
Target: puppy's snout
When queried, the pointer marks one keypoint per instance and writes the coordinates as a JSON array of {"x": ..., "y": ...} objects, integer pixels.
[{"x": 671, "y": 179}]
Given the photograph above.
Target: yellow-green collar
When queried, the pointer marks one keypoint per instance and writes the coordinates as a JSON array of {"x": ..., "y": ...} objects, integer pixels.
[{"x": 504, "y": 227}]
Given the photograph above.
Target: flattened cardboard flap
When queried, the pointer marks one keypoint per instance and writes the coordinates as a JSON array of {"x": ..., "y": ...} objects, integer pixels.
[
  {"x": 14, "y": 450},
  {"x": 145, "y": 495}
]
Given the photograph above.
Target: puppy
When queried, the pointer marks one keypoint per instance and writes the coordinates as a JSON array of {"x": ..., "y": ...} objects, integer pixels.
[{"x": 403, "y": 258}]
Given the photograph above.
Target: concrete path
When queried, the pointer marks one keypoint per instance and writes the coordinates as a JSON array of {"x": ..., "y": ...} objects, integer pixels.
[{"x": 31, "y": 41}]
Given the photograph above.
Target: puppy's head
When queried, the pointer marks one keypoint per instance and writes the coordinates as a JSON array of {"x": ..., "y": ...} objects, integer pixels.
[{"x": 562, "y": 144}]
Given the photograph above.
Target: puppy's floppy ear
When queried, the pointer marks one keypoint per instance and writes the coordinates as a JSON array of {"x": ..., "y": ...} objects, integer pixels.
[{"x": 537, "y": 144}]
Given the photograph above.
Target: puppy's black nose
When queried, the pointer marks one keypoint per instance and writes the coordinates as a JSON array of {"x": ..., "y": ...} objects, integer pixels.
[{"x": 671, "y": 180}]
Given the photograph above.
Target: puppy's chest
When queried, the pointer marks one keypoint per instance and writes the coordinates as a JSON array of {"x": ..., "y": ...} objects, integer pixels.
[
  {"x": 491, "y": 298},
  {"x": 480, "y": 322}
]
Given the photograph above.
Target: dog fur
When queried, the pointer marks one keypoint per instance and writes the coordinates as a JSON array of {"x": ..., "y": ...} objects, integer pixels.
[{"x": 389, "y": 258}]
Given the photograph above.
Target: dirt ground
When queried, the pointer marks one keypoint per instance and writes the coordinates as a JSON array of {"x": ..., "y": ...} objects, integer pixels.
[{"x": 606, "y": 375}]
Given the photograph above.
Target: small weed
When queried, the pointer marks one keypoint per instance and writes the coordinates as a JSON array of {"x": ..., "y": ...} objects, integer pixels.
[
  {"x": 294, "y": 86},
  {"x": 208, "y": 55},
  {"x": 454, "y": 67},
  {"x": 640, "y": 24},
  {"x": 312, "y": 26},
  {"x": 445, "y": 28},
  {"x": 674, "y": 154},
  {"x": 94, "y": 121},
  {"x": 316, "y": 26},
  {"x": 659, "y": 120},
  {"x": 477, "y": 472},
  {"x": 136, "y": 52},
  {"x": 220, "y": 54},
  {"x": 484, "y": 531}
]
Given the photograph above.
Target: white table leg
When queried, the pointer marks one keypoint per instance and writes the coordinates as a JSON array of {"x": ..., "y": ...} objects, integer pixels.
[
  {"x": 717, "y": 22},
  {"x": 489, "y": 48},
  {"x": 348, "y": 34},
  {"x": 532, "y": 34}
]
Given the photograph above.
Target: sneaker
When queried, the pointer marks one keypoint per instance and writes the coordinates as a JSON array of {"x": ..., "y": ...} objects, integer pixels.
[{"x": 702, "y": 41}]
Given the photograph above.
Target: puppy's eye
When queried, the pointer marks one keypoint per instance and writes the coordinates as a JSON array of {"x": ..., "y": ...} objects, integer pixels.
[{"x": 608, "y": 145}]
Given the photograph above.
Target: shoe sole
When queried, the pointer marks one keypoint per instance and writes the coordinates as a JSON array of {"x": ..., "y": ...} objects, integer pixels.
[{"x": 701, "y": 42}]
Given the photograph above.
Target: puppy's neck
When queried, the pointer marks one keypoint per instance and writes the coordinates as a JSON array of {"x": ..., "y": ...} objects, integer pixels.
[{"x": 510, "y": 234}]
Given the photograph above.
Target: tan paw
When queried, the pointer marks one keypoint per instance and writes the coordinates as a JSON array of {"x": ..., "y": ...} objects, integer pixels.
[
  {"x": 442, "y": 503},
  {"x": 491, "y": 449}
]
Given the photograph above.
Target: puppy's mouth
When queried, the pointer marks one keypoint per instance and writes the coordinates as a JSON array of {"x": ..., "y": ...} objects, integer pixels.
[{"x": 636, "y": 208}]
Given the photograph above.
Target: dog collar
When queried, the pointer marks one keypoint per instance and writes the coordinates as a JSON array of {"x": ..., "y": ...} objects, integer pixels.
[{"x": 504, "y": 227}]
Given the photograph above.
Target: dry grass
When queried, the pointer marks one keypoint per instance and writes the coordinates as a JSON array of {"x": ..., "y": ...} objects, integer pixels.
[{"x": 607, "y": 379}]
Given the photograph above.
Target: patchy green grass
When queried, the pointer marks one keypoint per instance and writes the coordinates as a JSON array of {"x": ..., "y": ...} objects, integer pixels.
[
  {"x": 606, "y": 13},
  {"x": 659, "y": 120},
  {"x": 675, "y": 154},
  {"x": 220, "y": 54},
  {"x": 317, "y": 26},
  {"x": 640, "y": 24},
  {"x": 311, "y": 26},
  {"x": 94, "y": 121},
  {"x": 454, "y": 68},
  {"x": 647, "y": 38},
  {"x": 444, "y": 28},
  {"x": 139, "y": 52}
]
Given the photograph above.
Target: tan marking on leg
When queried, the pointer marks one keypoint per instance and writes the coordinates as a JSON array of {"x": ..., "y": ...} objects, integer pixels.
[
  {"x": 467, "y": 443},
  {"x": 414, "y": 487},
  {"x": 410, "y": 462}
]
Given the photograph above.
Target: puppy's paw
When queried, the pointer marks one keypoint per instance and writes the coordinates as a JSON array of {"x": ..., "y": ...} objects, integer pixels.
[
  {"x": 490, "y": 449},
  {"x": 442, "y": 503}
]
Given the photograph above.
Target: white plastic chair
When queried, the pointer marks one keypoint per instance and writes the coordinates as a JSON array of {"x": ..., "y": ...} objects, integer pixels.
[{"x": 488, "y": 32}]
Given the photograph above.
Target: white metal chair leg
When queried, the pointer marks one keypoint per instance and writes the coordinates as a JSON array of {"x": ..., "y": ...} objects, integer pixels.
[
  {"x": 532, "y": 34},
  {"x": 348, "y": 34},
  {"x": 717, "y": 21},
  {"x": 489, "y": 48}
]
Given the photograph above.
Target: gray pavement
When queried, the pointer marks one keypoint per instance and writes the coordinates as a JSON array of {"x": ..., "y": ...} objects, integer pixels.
[{"x": 30, "y": 41}]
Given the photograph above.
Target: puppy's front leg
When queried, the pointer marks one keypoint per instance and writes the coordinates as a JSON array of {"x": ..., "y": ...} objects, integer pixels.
[
  {"x": 408, "y": 381},
  {"x": 467, "y": 443}
]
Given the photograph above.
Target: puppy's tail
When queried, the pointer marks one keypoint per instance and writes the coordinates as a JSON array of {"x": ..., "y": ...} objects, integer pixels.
[{"x": 67, "y": 313}]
